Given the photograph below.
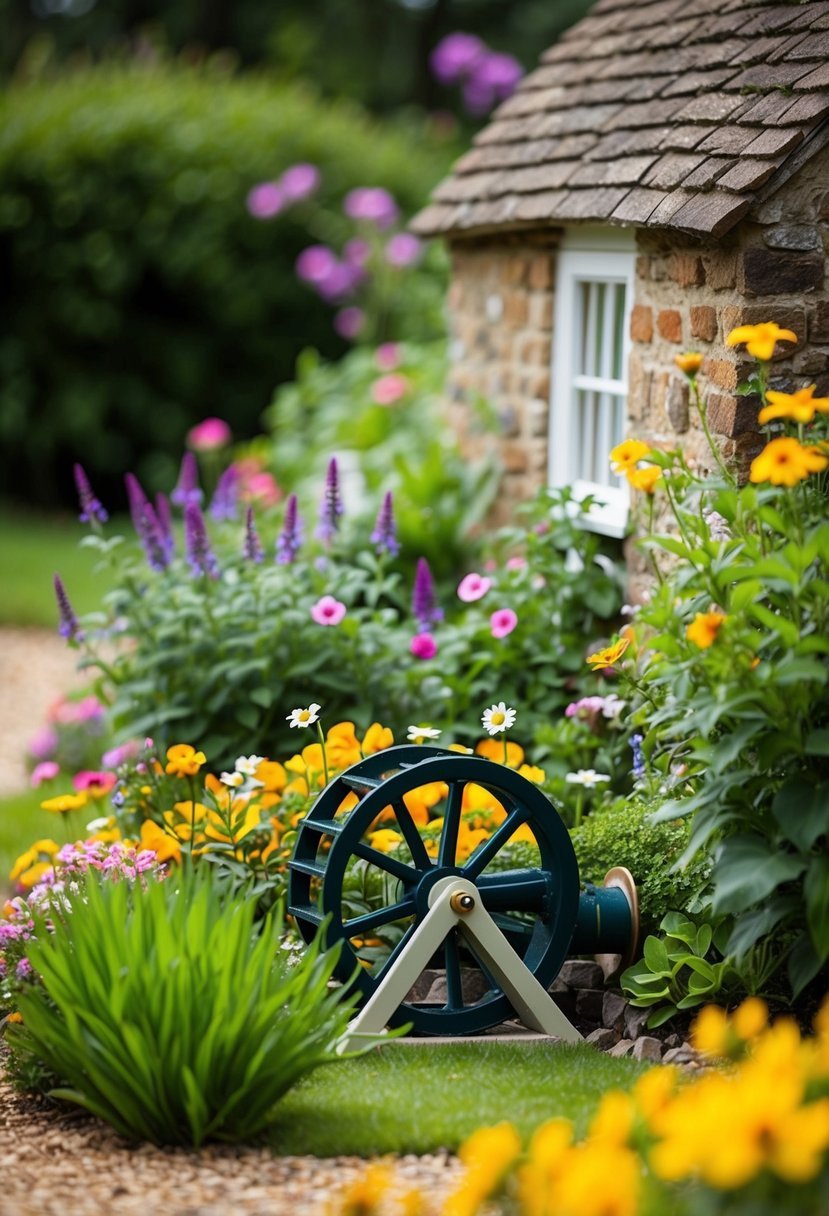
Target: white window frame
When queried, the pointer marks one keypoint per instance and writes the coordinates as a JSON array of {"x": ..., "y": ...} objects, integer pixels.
[{"x": 593, "y": 255}]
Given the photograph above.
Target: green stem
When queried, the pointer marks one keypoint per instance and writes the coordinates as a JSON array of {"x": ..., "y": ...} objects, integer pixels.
[
  {"x": 192, "y": 786},
  {"x": 324, "y": 753},
  {"x": 702, "y": 410},
  {"x": 579, "y": 806},
  {"x": 651, "y": 553}
]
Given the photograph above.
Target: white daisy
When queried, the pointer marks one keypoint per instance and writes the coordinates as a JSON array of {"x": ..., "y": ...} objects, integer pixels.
[
  {"x": 419, "y": 734},
  {"x": 304, "y": 717},
  {"x": 234, "y": 780},
  {"x": 247, "y": 765},
  {"x": 498, "y": 718},
  {"x": 587, "y": 777}
]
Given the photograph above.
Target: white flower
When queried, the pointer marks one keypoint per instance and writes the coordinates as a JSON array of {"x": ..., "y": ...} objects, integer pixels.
[
  {"x": 247, "y": 765},
  {"x": 304, "y": 717},
  {"x": 234, "y": 780},
  {"x": 97, "y": 825},
  {"x": 419, "y": 734},
  {"x": 587, "y": 777},
  {"x": 612, "y": 706},
  {"x": 498, "y": 718}
]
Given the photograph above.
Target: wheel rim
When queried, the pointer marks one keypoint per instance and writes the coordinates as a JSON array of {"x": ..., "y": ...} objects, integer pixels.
[{"x": 536, "y": 907}]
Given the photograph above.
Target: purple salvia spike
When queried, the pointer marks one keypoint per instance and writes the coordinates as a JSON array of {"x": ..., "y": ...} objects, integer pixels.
[
  {"x": 152, "y": 537},
  {"x": 165, "y": 524},
  {"x": 289, "y": 541},
  {"x": 91, "y": 510},
  {"x": 225, "y": 501},
  {"x": 332, "y": 507},
  {"x": 137, "y": 499},
  {"x": 68, "y": 624},
  {"x": 424, "y": 609},
  {"x": 187, "y": 487},
  {"x": 253, "y": 551},
  {"x": 201, "y": 557},
  {"x": 384, "y": 536}
]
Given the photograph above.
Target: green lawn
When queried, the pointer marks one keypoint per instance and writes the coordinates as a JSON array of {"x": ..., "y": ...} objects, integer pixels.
[
  {"x": 419, "y": 1099},
  {"x": 22, "y": 822},
  {"x": 33, "y": 548}
]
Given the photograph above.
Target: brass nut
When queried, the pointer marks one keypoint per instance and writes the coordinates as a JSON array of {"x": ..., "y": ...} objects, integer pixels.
[{"x": 461, "y": 902}]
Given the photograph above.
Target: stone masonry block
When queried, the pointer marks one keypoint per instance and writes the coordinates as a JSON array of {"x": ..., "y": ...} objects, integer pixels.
[
  {"x": 819, "y": 322},
  {"x": 516, "y": 310},
  {"x": 720, "y": 269},
  {"x": 720, "y": 372},
  {"x": 793, "y": 318},
  {"x": 767, "y": 272},
  {"x": 704, "y": 322},
  {"x": 687, "y": 269},
  {"x": 540, "y": 277},
  {"x": 669, "y": 324},
  {"x": 677, "y": 405},
  {"x": 641, "y": 323},
  {"x": 730, "y": 416}
]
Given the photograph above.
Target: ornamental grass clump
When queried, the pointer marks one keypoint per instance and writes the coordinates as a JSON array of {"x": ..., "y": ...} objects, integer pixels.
[{"x": 167, "y": 1012}]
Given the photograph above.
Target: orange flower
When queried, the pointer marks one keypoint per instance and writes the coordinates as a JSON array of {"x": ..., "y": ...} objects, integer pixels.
[
  {"x": 690, "y": 362},
  {"x": 165, "y": 846},
  {"x": 183, "y": 760},
  {"x": 760, "y": 340},
  {"x": 785, "y": 462},
  {"x": 610, "y": 655},
  {"x": 626, "y": 455},
  {"x": 797, "y": 407},
  {"x": 493, "y": 749},
  {"x": 376, "y": 739},
  {"x": 644, "y": 479},
  {"x": 342, "y": 746},
  {"x": 704, "y": 628},
  {"x": 272, "y": 775}
]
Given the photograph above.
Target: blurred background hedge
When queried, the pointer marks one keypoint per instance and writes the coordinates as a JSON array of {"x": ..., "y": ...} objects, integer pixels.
[{"x": 137, "y": 294}]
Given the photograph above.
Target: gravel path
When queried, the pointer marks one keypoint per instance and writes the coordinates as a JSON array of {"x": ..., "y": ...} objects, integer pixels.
[{"x": 36, "y": 667}]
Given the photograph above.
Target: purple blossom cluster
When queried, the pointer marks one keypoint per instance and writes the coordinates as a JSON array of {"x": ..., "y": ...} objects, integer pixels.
[
  {"x": 289, "y": 541},
  {"x": 384, "y": 536},
  {"x": 486, "y": 77},
  {"x": 332, "y": 506},
  {"x": 91, "y": 510},
  {"x": 267, "y": 199}
]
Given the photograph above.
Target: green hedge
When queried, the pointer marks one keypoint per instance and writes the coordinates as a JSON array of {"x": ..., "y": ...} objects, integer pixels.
[{"x": 136, "y": 292}]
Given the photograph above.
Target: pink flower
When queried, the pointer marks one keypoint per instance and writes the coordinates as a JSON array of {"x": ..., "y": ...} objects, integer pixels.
[
  {"x": 423, "y": 646},
  {"x": 516, "y": 563},
  {"x": 490, "y": 565},
  {"x": 89, "y": 779},
  {"x": 265, "y": 200},
  {"x": 371, "y": 203},
  {"x": 261, "y": 488},
  {"x": 387, "y": 356},
  {"x": 389, "y": 389},
  {"x": 328, "y": 611},
  {"x": 403, "y": 249},
  {"x": 502, "y": 622},
  {"x": 121, "y": 754},
  {"x": 473, "y": 587},
  {"x": 47, "y": 770},
  {"x": 208, "y": 435},
  {"x": 44, "y": 744},
  {"x": 316, "y": 263},
  {"x": 298, "y": 181},
  {"x": 348, "y": 322},
  {"x": 356, "y": 251}
]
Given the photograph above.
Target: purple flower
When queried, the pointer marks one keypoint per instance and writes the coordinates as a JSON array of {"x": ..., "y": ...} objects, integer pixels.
[
  {"x": 384, "y": 536},
  {"x": 121, "y": 754},
  {"x": 349, "y": 322},
  {"x": 638, "y": 757},
  {"x": 164, "y": 521},
  {"x": 253, "y": 551},
  {"x": 332, "y": 507},
  {"x": 315, "y": 264},
  {"x": 91, "y": 510},
  {"x": 44, "y": 744},
  {"x": 298, "y": 181},
  {"x": 371, "y": 203},
  {"x": 356, "y": 251},
  {"x": 403, "y": 249},
  {"x": 266, "y": 200},
  {"x": 493, "y": 79},
  {"x": 157, "y": 546},
  {"x": 424, "y": 609},
  {"x": 187, "y": 487},
  {"x": 289, "y": 541},
  {"x": 68, "y": 625},
  {"x": 455, "y": 56},
  {"x": 24, "y": 969},
  {"x": 201, "y": 557},
  {"x": 47, "y": 770},
  {"x": 342, "y": 280},
  {"x": 136, "y": 498},
  {"x": 225, "y": 501}
]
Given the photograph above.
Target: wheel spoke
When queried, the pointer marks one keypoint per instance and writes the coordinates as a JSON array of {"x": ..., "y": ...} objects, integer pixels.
[
  {"x": 451, "y": 824},
  {"x": 378, "y": 916},
  {"x": 454, "y": 987},
  {"x": 411, "y": 835},
  {"x": 407, "y": 874},
  {"x": 484, "y": 854},
  {"x": 517, "y": 932}
]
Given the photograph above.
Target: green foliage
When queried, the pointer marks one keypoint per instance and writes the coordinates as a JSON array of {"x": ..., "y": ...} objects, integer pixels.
[
  {"x": 622, "y": 833},
  {"x": 171, "y": 1015},
  {"x": 139, "y": 293}
]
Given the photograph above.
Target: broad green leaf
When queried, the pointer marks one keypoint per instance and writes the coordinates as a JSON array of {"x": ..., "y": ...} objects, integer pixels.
[
  {"x": 816, "y": 891},
  {"x": 802, "y": 811},
  {"x": 748, "y": 869}
]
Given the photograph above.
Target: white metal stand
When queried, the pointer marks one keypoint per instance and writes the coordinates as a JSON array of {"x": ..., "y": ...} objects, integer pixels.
[{"x": 455, "y": 903}]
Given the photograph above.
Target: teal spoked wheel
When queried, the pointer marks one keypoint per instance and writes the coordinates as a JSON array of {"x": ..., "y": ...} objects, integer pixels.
[{"x": 536, "y": 907}]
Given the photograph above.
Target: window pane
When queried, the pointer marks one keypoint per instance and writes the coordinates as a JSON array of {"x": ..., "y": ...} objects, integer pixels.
[
  {"x": 599, "y": 427},
  {"x": 618, "y": 372}
]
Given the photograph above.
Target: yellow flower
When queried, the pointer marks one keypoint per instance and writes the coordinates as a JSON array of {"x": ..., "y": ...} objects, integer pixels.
[
  {"x": 613, "y": 1121},
  {"x": 533, "y": 773},
  {"x": 487, "y": 1155},
  {"x": 272, "y": 775},
  {"x": 165, "y": 846},
  {"x": 652, "y": 1092},
  {"x": 600, "y": 1179},
  {"x": 797, "y": 407},
  {"x": 627, "y": 454},
  {"x": 760, "y": 340},
  {"x": 610, "y": 655},
  {"x": 689, "y": 362},
  {"x": 493, "y": 749},
  {"x": 644, "y": 479},
  {"x": 376, "y": 739},
  {"x": 183, "y": 760},
  {"x": 342, "y": 746},
  {"x": 362, "y": 1196},
  {"x": 34, "y": 874},
  {"x": 15, "y": 1018},
  {"x": 384, "y": 839},
  {"x": 751, "y": 1018},
  {"x": 704, "y": 628},
  {"x": 785, "y": 462},
  {"x": 65, "y": 803}
]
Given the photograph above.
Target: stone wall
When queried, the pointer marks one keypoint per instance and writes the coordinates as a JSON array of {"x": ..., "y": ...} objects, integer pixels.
[{"x": 501, "y": 323}]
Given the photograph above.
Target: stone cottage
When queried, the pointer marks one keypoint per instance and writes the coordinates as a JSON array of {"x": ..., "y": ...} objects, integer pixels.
[{"x": 660, "y": 178}]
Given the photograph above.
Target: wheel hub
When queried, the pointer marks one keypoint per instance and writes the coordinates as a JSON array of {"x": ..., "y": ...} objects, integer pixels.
[{"x": 424, "y": 888}]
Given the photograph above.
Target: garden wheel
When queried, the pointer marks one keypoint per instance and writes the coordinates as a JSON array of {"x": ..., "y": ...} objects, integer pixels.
[{"x": 535, "y": 907}]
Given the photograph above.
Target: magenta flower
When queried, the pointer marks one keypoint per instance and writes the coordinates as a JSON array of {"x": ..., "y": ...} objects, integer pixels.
[
  {"x": 187, "y": 487},
  {"x": 390, "y": 388},
  {"x": 387, "y": 356},
  {"x": 502, "y": 622},
  {"x": 117, "y": 756},
  {"x": 299, "y": 181},
  {"x": 208, "y": 435},
  {"x": 371, "y": 203},
  {"x": 493, "y": 79},
  {"x": 68, "y": 624},
  {"x": 91, "y": 779},
  {"x": 47, "y": 770},
  {"x": 289, "y": 541},
  {"x": 265, "y": 200},
  {"x": 423, "y": 646},
  {"x": 91, "y": 510},
  {"x": 315, "y": 264},
  {"x": 473, "y": 587},
  {"x": 349, "y": 322},
  {"x": 455, "y": 56},
  {"x": 403, "y": 249},
  {"x": 261, "y": 488},
  {"x": 328, "y": 611}
]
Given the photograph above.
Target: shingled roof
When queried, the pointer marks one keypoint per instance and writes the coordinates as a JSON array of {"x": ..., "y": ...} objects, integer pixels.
[{"x": 661, "y": 113}]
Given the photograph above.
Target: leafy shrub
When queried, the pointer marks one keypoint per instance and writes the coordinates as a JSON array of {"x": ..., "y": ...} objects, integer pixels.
[
  {"x": 169, "y": 1015},
  {"x": 139, "y": 292}
]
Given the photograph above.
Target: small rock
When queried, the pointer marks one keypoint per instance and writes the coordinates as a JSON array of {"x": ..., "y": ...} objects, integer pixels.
[
  {"x": 558, "y": 985},
  {"x": 581, "y": 973},
  {"x": 614, "y": 1006},
  {"x": 634, "y": 1021},
  {"x": 647, "y": 1048},
  {"x": 422, "y": 986},
  {"x": 677, "y": 405},
  {"x": 793, "y": 236},
  {"x": 589, "y": 1004},
  {"x": 678, "y": 1055},
  {"x": 623, "y": 1048},
  {"x": 673, "y": 1040},
  {"x": 602, "y": 1038}
]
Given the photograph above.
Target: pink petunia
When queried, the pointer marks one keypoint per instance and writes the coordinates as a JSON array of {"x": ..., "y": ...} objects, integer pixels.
[
  {"x": 299, "y": 181},
  {"x": 516, "y": 563},
  {"x": 208, "y": 435},
  {"x": 89, "y": 779},
  {"x": 265, "y": 200},
  {"x": 423, "y": 646},
  {"x": 502, "y": 622},
  {"x": 388, "y": 389},
  {"x": 403, "y": 249},
  {"x": 47, "y": 770},
  {"x": 473, "y": 587},
  {"x": 328, "y": 611},
  {"x": 387, "y": 356}
]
